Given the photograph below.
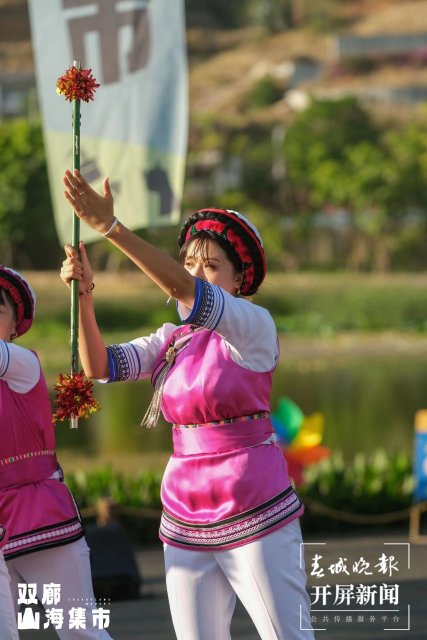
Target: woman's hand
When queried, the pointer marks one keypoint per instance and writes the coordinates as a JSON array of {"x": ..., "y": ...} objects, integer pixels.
[
  {"x": 75, "y": 268},
  {"x": 94, "y": 209},
  {"x": 93, "y": 353}
]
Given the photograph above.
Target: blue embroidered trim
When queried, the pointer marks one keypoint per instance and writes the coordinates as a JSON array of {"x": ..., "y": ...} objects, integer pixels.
[
  {"x": 208, "y": 305},
  {"x": 4, "y": 357},
  {"x": 123, "y": 362}
]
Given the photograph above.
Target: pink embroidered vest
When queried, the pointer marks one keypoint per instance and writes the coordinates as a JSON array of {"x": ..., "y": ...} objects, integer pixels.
[
  {"x": 36, "y": 511},
  {"x": 223, "y": 486}
]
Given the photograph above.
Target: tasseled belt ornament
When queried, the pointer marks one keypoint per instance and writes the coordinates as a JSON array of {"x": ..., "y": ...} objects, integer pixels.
[{"x": 153, "y": 412}]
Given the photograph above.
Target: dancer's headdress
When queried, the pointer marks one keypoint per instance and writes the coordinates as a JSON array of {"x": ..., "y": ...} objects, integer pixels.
[
  {"x": 239, "y": 233},
  {"x": 23, "y": 296}
]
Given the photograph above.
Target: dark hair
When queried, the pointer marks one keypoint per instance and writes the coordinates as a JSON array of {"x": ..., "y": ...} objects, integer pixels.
[
  {"x": 201, "y": 241},
  {"x": 5, "y": 295}
]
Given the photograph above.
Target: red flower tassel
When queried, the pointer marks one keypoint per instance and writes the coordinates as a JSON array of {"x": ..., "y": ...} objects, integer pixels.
[
  {"x": 77, "y": 84},
  {"x": 74, "y": 397}
]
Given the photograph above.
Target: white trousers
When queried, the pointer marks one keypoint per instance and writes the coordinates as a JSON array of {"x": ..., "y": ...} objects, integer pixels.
[
  {"x": 264, "y": 574},
  {"x": 8, "y": 629},
  {"x": 68, "y": 566}
]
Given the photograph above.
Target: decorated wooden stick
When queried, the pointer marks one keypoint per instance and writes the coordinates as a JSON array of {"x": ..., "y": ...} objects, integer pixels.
[
  {"x": 75, "y": 243},
  {"x": 74, "y": 397}
]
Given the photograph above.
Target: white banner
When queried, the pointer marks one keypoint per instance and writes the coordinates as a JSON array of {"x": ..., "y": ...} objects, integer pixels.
[{"x": 135, "y": 130}]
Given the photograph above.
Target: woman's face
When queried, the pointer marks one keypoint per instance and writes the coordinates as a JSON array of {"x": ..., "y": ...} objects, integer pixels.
[
  {"x": 7, "y": 319},
  {"x": 213, "y": 265}
]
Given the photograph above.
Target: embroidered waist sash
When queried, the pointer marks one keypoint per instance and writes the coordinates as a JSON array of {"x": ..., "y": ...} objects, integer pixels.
[
  {"x": 237, "y": 493},
  {"x": 27, "y": 468},
  {"x": 216, "y": 438}
]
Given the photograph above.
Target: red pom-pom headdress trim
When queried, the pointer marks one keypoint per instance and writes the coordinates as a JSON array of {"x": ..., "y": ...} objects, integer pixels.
[{"x": 239, "y": 233}]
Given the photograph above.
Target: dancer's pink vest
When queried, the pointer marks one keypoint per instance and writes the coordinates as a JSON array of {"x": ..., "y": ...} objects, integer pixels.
[
  {"x": 222, "y": 487},
  {"x": 36, "y": 511}
]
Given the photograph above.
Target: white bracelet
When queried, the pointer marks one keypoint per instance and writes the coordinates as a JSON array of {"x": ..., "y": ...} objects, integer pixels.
[{"x": 108, "y": 233}]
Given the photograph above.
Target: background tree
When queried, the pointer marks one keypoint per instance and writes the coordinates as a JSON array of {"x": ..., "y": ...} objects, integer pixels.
[
  {"x": 27, "y": 231},
  {"x": 323, "y": 133},
  {"x": 380, "y": 181},
  {"x": 220, "y": 13}
]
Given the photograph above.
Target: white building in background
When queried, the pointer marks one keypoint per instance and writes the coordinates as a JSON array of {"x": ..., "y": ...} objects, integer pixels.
[
  {"x": 17, "y": 79},
  {"x": 17, "y": 94},
  {"x": 350, "y": 46}
]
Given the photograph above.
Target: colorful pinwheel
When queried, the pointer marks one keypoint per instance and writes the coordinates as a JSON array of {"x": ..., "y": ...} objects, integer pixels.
[{"x": 299, "y": 436}]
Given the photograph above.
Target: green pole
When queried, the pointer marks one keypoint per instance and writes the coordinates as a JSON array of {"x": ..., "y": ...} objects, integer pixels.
[{"x": 75, "y": 244}]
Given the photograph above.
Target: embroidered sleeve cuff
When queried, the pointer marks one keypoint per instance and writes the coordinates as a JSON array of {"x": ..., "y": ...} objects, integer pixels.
[
  {"x": 4, "y": 357},
  {"x": 123, "y": 362},
  {"x": 208, "y": 305}
]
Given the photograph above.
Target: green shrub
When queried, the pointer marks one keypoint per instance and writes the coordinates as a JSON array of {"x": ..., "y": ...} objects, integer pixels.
[
  {"x": 264, "y": 93},
  {"x": 377, "y": 484},
  {"x": 142, "y": 490}
]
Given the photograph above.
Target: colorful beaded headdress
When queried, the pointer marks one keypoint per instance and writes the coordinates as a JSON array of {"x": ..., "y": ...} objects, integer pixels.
[
  {"x": 239, "y": 233},
  {"x": 23, "y": 296}
]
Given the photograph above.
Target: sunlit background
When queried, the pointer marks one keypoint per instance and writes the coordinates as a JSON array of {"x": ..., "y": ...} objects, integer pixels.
[{"x": 311, "y": 118}]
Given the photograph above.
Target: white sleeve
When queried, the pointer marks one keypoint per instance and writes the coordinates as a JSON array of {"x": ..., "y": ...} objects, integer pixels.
[
  {"x": 247, "y": 328},
  {"x": 135, "y": 360},
  {"x": 19, "y": 367}
]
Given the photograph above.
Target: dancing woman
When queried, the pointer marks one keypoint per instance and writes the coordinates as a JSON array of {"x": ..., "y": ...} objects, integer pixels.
[
  {"x": 230, "y": 515},
  {"x": 46, "y": 543}
]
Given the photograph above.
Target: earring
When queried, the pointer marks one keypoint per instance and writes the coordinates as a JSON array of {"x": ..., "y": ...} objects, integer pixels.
[
  {"x": 13, "y": 336},
  {"x": 237, "y": 293}
]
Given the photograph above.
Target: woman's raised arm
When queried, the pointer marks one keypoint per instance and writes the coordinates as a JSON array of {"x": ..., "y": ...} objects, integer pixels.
[{"x": 97, "y": 211}]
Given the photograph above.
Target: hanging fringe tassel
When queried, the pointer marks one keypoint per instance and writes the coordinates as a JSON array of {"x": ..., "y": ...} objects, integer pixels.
[{"x": 152, "y": 414}]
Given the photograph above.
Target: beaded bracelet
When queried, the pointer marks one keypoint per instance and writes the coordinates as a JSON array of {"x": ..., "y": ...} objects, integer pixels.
[
  {"x": 91, "y": 288},
  {"x": 108, "y": 233}
]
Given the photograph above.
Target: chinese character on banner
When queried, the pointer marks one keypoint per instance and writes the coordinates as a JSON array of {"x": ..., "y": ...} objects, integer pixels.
[
  {"x": 108, "y": 23},
  {"x": 136, "y": 130}
]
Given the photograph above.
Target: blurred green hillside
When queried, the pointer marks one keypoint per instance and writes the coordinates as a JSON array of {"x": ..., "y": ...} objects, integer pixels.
[{"x": 326, "y": 152}]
